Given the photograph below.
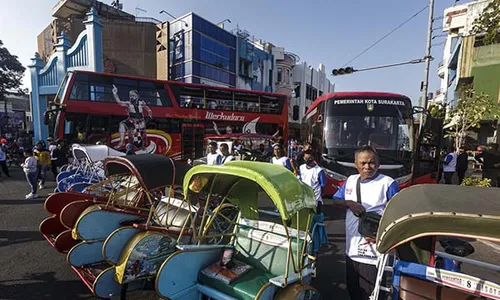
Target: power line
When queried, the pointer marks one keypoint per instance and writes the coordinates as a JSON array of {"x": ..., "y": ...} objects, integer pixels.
[{"x": 386, "y": 35}]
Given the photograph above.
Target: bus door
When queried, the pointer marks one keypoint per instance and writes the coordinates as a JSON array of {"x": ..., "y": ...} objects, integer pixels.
[{"x": 192, "y": 141}]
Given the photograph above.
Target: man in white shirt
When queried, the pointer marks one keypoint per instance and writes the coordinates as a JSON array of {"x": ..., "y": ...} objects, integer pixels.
[
  {"x": 375, "y": 191},
  {"x": 312, "y": 175},
  {"x": 226, "y": 156},
  {"x": 213, "y": 158},
  {"x": 449, "y": 165}
]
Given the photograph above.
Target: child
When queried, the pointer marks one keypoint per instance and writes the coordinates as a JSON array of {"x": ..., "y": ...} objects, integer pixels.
[
  {"x": 43, "y": 157},
  {"x": 30, "y": 169}
]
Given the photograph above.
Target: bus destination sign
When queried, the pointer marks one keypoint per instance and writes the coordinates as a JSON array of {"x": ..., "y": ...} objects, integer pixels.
[{"x": 369, "y": 101}]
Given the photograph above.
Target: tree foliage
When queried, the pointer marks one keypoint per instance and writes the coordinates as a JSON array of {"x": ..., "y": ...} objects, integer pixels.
[
  {"x": 437, "y": 111},
  {"x": 469, "y": 181},
  {"x": 11, "y": 73},
  {"x": 488, "y": 23},
  {"x": 470, "y": 110}
]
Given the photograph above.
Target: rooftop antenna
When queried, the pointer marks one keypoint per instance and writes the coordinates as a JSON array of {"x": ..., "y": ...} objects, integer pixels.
[{"x": 138, "y": 9}]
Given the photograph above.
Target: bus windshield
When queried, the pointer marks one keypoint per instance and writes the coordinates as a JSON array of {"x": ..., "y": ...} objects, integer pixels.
[
  {"x": 384, "y": 124},
  {"x": 383, "y": 133}
]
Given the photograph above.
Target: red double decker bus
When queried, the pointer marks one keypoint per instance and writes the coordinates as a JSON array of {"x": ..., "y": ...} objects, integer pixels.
[
  {"x": 338, "y": 123},
  {"x": 165, "y": 117}
]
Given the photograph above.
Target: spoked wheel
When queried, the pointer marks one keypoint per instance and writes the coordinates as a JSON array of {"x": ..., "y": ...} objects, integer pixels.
[
  {"x": 299, "y": 291},
  {"x": 223, "y": 223}
]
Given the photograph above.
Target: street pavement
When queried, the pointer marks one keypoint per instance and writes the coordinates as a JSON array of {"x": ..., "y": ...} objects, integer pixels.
[{"x": 32, "y": 269}]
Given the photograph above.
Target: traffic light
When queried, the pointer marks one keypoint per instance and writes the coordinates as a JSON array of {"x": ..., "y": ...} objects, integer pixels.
[
  {"x": 295, "y": 112},
  {"x": 342, "y": 71}
]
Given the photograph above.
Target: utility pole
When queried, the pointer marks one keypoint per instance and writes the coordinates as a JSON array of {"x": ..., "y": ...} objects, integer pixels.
[{"x": 425, "y": 85}]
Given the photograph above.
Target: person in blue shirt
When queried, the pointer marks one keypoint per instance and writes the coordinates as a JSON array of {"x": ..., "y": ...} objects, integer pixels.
[{"x": 375, "y": 191}]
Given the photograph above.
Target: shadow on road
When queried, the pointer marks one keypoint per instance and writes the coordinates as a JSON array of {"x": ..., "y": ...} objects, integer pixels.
[
  {"x": 331, "y": 262},
  {"x": 22, "y": 202},
  {"x": 42, "y": 286},
  {"x": 18, "y": 237}
]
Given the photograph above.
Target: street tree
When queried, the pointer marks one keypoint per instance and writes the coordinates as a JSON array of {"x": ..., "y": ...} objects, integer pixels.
[
  {"x": 470, "y": 110},
  {"x": 437, "y": 111},
  {"x": 488, "y": 23},
  {"x": 11, "y": 73}
]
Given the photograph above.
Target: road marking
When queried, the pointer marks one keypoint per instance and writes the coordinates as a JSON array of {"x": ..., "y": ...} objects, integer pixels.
[{"x": 495, "y": 247}]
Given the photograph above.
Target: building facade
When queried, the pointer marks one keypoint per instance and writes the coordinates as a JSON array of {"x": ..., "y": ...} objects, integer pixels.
[
  {"x": 255, "y": 63},
  {"x": 128, "y": 41},
  {"x": 199, "y": 52},
  {"x": 467, "y": 61},
  {"x": 310, "y": 84},
  {"x": 460, "y": 48}
]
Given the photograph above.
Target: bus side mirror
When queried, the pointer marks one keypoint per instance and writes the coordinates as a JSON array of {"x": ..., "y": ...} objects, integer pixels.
[{"x": 419, "y": 110}]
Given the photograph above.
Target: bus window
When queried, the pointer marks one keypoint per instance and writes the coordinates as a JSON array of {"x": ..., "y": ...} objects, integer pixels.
[
  {"x": 270, "y": 104},
  {"x": 97, "y": 93},
  {"x": 250, "y": 101},
  {"x": 166, "y": 125},
  {"x": 79, "y": 91},
  {"x": 100, "y": 88},
  {"x": 220, "y": 99},
  {"x": 154, "y": 93},
  {"x": 187, "y": 96}
]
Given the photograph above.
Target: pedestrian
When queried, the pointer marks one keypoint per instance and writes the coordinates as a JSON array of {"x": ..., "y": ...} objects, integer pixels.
[
  {"x": 53, "y": 158},
  {"x": 449, "y": 165},
  {"x": 462, "y": 165},
  {"x": 491, "y": 164},
  {"x": 130, "y": 149},
  {"x": 61, "y": 155},
  {"x": 3, "y": 157},
  {"x": 281, "y": 159},
  {"x": 313, "y": 175},
  {"x": 365, "y": 193},
  {"x": 30, "y": 170},
  {"x": 226, "y": 156},
  {"x": 300, "y": 157},
  {"x": 213, "y": 158},
  {"x": 442, "y": 154},
  {"x": 42, "y": 155}
]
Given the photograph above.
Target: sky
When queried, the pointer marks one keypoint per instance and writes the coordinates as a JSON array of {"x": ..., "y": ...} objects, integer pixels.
[{"x": 330, "y": 32}]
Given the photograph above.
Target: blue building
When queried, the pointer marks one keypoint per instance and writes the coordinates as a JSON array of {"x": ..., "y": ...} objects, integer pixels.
[
  {"x": 255, "y": 64},
  {"x": 201, "y": 52}
]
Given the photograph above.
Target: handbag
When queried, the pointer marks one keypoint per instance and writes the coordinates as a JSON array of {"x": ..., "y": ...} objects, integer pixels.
[{"x": 368, "y": 221}]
